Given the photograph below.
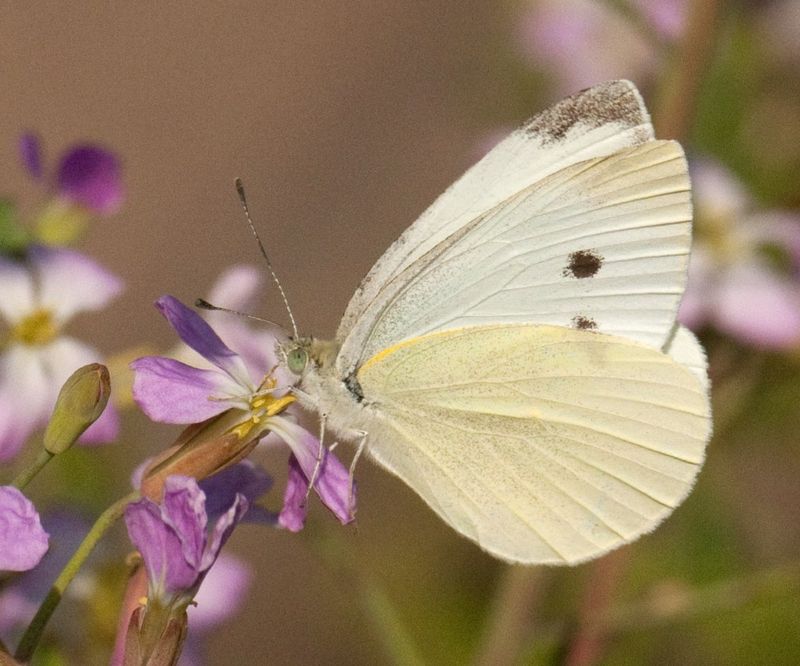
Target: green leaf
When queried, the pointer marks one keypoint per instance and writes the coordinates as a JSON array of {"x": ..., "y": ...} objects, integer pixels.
[{"x": 13, "y": 238}]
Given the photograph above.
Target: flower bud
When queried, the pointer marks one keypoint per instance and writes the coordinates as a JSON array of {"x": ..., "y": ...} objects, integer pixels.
[
  {"x": 80, "y": 403},
  {"x": 155, "y": 636},
  {"x": 201, "y": 450}
]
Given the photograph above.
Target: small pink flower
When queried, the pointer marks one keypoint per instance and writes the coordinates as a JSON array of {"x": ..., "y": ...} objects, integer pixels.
[
  {"x": 40, "y": 295},
  {"x": 734, "y": 285}
]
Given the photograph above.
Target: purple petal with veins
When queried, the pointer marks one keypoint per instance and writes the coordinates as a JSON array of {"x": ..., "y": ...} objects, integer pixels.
[
  {"x": 293, "y": 514},
  {"x": 333, "y": 479},
  {"x": 172, "y": 537},
  {"x": 169, "y": 391},
  {"x": 195, "y": 332}
]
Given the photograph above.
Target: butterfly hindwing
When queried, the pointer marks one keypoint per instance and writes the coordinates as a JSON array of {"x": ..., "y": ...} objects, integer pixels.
[{"x": 543, "y": 444}]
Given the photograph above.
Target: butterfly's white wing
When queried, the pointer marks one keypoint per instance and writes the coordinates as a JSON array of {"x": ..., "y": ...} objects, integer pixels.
[
  {"x": 684, "y": 348},
  {"x": 596, "y": 122},
  {"x": 602, "y": 244},
  {"x": 543, "y": 444}
]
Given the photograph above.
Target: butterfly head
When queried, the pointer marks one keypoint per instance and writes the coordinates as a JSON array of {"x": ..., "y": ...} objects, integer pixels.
[{"x": 304, "y": 354}]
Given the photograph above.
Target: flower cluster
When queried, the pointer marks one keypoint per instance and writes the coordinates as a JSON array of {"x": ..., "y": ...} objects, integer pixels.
[{"x": 47, "y": 377}]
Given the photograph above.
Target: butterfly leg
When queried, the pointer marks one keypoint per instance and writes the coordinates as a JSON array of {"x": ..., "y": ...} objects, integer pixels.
[
  {"x": 320, "y": 454},
  {"x": 362, "y": 443}
]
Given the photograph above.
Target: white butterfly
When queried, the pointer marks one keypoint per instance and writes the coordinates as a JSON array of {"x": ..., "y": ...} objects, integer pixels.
[{"x": 514, "y": 355}]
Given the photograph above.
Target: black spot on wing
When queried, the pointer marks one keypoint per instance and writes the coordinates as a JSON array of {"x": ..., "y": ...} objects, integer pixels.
[
  {"x": 612, "y": 102},
  {"x": 584, "y": 323},
  {"x": 583, "y": 264}
]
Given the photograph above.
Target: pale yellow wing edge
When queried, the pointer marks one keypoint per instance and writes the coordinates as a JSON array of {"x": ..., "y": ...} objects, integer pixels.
[{"x": 542, "y": 444}]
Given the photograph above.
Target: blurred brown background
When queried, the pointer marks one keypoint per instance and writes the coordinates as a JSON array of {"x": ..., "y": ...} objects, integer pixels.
[{"x": 345, "y": 120}]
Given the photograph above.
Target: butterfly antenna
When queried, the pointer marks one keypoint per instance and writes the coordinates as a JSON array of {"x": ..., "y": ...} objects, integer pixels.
[
  {"x": 243, "y": 201},
  {"x": 203, "y": 304}
]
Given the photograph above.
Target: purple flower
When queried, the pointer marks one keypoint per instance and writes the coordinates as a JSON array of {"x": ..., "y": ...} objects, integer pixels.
[
  {"x": 735, "y": 284},
  {"x": 39, "y": 297},
  {"x": 173, "y": 540},
  {"x": 87, "y": 175},
  {"x": 244, "y": 478},
  {"x": 170, "y": 391},
  {"x": 23, "y": 542},
  {"x": 21, "y": 596}
]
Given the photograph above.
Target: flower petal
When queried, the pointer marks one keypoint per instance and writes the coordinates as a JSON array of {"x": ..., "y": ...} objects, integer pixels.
[
  {"x": 221, "y": 594},
  {"x": 27, "y": 396},
  {"x": 161, "y": 547},
  {"x": 223, "y": 529},
  {"x": 23, "y": 542},
  {"x": 91, "y": 177},
  {"x": 30, "y": 153},
  {"x": 169, "y": 391},
  {"x": 333, "y": 479},
  {"x": 759, "y": 307},
  {"x": 236, "y": 288},
  {"x": 71, "y": 282},
  {"x": 244, "y": 478},
  {"x": 19, "y": 298},
  {"x": 195, "y": 332},
  {"x": 184, "y": 508},
  {"x": 719, "y": 194},
  {"x": 293, "y": 514}
]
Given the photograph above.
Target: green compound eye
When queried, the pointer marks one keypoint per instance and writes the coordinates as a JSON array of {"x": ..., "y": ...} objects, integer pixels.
[{"x": 297, "y": 360}]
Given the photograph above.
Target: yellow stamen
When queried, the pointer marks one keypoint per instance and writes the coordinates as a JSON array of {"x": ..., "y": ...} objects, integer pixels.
[
  {"x": 38, "y": 328},
  {"x": 262, "y": 406}
]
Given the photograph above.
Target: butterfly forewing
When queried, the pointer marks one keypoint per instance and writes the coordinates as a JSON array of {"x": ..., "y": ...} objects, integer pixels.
[
  {"x": 595, "y": 122},
  {"x": 544, "y": 444},
  {"x": 600, "y": 245}
]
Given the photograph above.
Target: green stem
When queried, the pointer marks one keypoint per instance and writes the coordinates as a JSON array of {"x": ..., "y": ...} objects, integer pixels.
[
  {"x": 673, "y": 116},
  {"x": 396, "y": 640},
  {"x": 34, "y": 632},
  {"x": 382, "y": 613},
  {"x": 24, "y": 477},
  {"x": 510, "y": 618}
]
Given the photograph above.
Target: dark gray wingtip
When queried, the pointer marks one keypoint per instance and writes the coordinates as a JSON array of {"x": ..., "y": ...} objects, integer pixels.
[{"x": 613, "y": 102}]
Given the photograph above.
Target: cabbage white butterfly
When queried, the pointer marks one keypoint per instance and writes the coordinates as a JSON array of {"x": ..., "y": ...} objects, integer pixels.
[{"x": 514, "y": 356}]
